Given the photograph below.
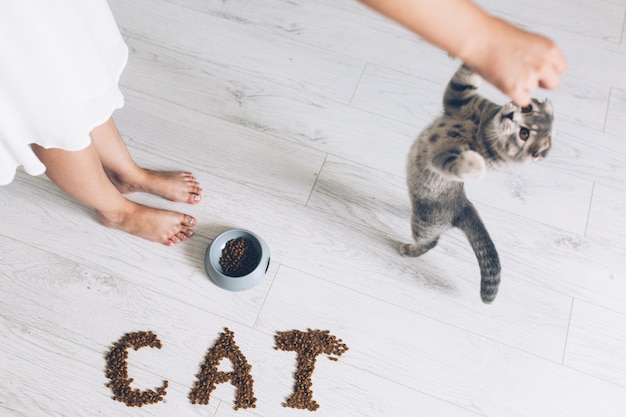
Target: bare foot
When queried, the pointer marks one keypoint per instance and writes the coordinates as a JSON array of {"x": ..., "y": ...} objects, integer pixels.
[
  {"x": 167, "y": 227},
  {"x": 173, "y": 185}
]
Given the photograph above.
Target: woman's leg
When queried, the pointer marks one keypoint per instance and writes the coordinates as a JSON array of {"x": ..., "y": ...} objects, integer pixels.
[
  {"x": 81, "y": 175},
  {"x": 128, "y": 177}
]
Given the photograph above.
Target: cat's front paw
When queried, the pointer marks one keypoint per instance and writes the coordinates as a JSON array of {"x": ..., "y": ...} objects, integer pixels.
[
  {"x": 467, "y": 75},
  {"x": 460, "y": 165},
  {"x": 470, "y": 165}
]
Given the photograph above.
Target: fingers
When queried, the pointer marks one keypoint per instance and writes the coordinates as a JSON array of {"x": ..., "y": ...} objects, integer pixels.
[
  {"x": 522, "y": 98},
  {"x": 519, "y": 62},
  {"x": 550, "y": 78},
  {"x": 519, "y": 88},
  {"x": 559, "y": 61},
  {"x": 549, "y": 81}
]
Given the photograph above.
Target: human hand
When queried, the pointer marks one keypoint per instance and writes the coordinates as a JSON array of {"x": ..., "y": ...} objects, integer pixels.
[{"x": 515, "y": 61}]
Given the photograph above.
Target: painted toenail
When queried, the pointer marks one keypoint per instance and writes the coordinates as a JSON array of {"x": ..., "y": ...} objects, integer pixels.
[
  {"x": 190, "y": 232},
  {"x": 196, "y": 198},
  {"x": 190, "y": 221}
]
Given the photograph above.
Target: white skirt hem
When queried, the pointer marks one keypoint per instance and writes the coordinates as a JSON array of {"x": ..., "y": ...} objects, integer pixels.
[{"x": 55, "y": 88}]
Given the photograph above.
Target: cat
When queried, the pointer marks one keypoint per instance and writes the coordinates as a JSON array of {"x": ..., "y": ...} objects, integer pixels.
[{"x": 472, "y": 135}]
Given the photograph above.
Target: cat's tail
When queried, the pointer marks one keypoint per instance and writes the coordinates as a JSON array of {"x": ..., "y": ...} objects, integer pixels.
[{"x": 470, "y": 223}]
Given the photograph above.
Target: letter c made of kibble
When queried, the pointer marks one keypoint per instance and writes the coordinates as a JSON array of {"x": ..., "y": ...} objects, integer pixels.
[{"x": 117, "y": 370}]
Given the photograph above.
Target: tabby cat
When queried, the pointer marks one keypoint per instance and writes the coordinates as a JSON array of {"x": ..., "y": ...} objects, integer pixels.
[{"x": 472, "y": 135}]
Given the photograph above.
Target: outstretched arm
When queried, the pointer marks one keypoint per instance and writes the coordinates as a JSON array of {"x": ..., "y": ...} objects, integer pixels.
[{"x": 515, "y": 61}]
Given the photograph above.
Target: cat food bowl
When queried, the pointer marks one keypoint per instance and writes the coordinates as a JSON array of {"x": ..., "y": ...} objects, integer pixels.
[{"x": 237, "y": 260}]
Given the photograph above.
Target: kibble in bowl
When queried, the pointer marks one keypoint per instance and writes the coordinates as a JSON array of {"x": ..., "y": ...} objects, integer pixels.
[{"x": 237, "y": 260}]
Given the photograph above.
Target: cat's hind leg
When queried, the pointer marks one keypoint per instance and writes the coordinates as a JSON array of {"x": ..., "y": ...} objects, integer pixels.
[
  {"x": 470, "y": 223},
  {"x": 414, "y": 250},
  {"x": 424, "y": 239}
]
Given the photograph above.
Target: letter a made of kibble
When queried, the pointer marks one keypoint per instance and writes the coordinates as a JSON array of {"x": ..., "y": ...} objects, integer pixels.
[{"x": 210, "y": 376}]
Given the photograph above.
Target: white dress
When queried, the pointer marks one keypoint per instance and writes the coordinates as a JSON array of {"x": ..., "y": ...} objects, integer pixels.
[{"x": 60, "y": 63}]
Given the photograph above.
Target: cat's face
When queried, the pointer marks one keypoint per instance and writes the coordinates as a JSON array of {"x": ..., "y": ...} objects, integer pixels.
[{"x": 524, "y": 133}]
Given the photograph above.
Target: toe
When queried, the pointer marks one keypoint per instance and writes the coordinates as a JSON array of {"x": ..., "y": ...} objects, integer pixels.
[
  {"x": 189, "y": 177},
  {"x": 196, "y": 188},
  {"x": 194, "y": 195},
  {"x": 188, "y": 221}
]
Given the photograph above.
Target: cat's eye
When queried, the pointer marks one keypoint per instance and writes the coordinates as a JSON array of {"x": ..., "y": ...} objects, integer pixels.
[
  {"x": 527, "y": 109},
  {"x": 524, "y": 134}
]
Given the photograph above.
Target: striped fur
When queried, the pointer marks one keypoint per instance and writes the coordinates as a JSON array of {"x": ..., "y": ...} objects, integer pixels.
[{"x": 471, "y": 136}]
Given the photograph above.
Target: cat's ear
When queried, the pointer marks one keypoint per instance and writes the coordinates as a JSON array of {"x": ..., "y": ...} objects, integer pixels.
[{"x": 547, "y": 107}]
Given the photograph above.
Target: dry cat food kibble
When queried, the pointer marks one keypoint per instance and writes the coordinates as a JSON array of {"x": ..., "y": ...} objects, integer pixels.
[
  {"x": 209, "y": 375},
  {"x": 308, "y": 346},
  {"x": 239, "y": 257},
  {"x": 117, "y": 370}
]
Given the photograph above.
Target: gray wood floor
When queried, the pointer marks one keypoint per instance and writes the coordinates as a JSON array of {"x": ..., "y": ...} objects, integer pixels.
[{"x": 296, "y": 116}]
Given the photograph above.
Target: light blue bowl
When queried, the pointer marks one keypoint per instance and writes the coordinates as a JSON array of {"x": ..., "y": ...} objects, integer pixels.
[{"x": 215, "y": 271}]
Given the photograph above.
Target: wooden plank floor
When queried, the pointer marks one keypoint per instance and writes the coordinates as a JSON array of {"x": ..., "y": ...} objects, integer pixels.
[{"x": 296, "y": 116}]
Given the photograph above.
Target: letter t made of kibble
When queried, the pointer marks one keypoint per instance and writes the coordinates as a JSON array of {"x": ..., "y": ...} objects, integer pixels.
[{"x": 308, "y": 346}]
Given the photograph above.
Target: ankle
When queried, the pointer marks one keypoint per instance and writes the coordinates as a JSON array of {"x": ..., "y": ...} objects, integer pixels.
[
  {"x": 118, "y": 215},
  {"x": 130, "y": 180}
]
